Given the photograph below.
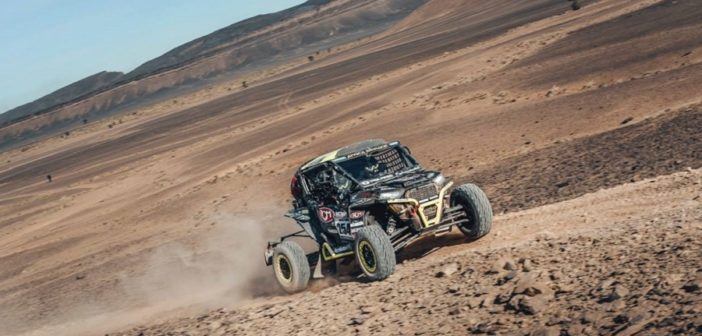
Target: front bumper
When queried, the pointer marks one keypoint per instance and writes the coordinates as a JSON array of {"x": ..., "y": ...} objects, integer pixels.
[
  {"x": 451, "y": 217},
  {"x": 430, "y": 210}
]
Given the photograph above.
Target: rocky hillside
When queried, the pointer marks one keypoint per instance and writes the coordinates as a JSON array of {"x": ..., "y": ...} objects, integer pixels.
[
  {"x": 313, "y": 26},
  {"x": 65, "y": 94},
  {"x": 581, "y": 126},
  {"x": 610, "y": 263},
  {"x": 223, "y": 38}
]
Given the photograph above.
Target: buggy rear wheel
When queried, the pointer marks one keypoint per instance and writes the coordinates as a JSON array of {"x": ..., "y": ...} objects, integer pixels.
[
  {"x": 477, "y": 208},
  {"x": 374, "y": 252},
  {"x": 292, "y": 270}
]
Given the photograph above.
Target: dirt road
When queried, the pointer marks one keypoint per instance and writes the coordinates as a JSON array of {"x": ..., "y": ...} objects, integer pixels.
[{"x": 619, "y": 261}]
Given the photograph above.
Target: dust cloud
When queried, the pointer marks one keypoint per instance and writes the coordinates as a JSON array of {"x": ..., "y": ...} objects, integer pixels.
[{"x": 221, "y": 268}]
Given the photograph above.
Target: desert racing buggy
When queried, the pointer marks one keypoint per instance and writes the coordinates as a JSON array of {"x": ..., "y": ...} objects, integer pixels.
[{"x": 367, "y": 201}]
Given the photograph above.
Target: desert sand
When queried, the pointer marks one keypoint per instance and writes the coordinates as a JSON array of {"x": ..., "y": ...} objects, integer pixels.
[{"x": 583, "y": 127}]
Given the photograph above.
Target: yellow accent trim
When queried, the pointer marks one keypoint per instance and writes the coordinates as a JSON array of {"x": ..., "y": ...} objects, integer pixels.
[
  {"x": 322, "y": 158},
  {"x": 439, "y": 202},
  {"x": 328, "y": 254},
  {"x": 278, "y": 271},
  {"x": 404, "y": 201},
  {"x": 364, "y": 264}
]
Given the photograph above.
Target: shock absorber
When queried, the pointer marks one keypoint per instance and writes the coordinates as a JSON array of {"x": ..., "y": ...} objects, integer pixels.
[
  {"x": 392, "y": 225},
  {"x": 407, "y": 214}
]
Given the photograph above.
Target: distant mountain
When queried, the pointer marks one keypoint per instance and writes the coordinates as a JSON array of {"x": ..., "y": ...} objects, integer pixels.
[
  {"x": 224, "y": 38},
  {"x": 260, "y": 40},
  {"x": 65, "y": 94}
]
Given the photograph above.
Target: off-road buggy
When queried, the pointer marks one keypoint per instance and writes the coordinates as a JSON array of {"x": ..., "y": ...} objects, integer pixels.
[{"x": 367, "y": 201}]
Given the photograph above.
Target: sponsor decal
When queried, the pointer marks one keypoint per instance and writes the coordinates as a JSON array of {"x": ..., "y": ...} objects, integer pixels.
[
  {"x": 340, "y": 214},
  {"x": 356, "y": 224},
  {"x": 326, "y": 215},
  {"x": 357, "y": 214},
  {"x": 344, "y": 228},
  {"x": 368, "y": 150}
]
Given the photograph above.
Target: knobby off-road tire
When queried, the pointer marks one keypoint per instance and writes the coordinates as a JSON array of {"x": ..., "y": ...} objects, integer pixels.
[
  {"x": 291, "y": 268},
  {"x": 374, "y": 252},
  {"x": 477, "y": 207}
]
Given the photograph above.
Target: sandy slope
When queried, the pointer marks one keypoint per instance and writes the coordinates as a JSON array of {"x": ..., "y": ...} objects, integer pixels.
[
  {"x": 619, "y": 261},
  {"x": 145, "y": 209}
]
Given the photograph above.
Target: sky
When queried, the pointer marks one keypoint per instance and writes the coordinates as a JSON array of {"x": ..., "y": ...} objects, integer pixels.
[{"x": 47, "y": 44}]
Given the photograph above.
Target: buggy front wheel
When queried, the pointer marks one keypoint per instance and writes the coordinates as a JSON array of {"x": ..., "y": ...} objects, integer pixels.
[
  {"x": 477, "y": 209},
  {"x": 374, "y": 252}
]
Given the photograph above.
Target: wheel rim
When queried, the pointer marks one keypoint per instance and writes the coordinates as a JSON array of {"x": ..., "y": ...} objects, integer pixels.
[
  {"x": 367, "y": 256},
  {"x": 283, "y": 268}
]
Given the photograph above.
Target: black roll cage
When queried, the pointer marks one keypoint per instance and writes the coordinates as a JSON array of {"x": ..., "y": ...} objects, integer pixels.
[{"x": 333, "y": 165}]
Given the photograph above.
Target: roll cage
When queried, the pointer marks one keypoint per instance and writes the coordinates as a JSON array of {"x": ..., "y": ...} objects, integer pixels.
[{"x": 304, "y": 178}]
